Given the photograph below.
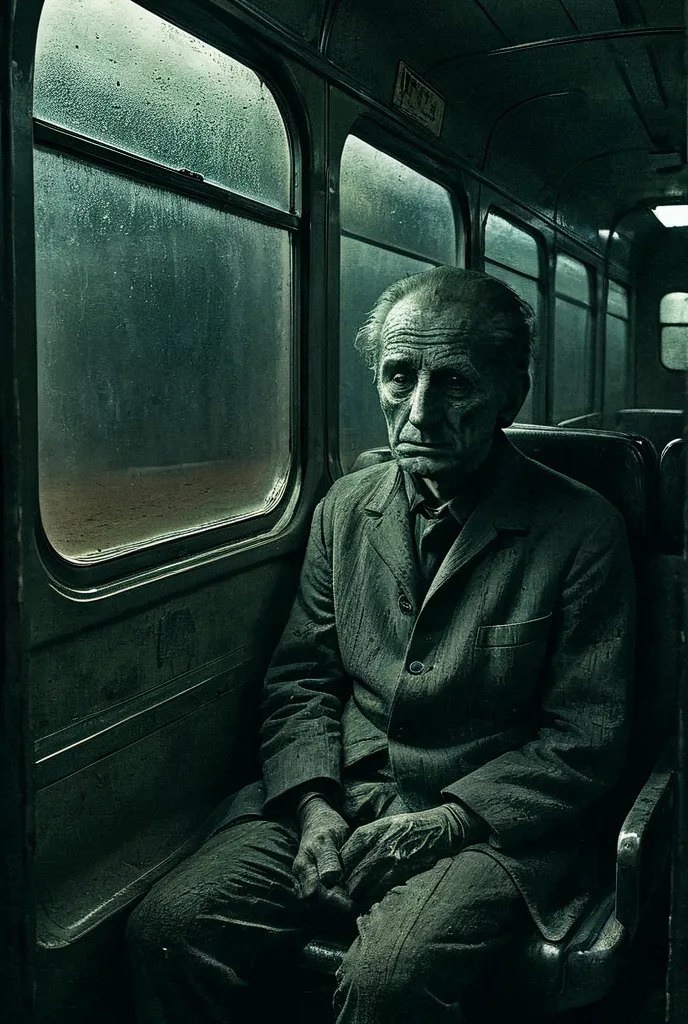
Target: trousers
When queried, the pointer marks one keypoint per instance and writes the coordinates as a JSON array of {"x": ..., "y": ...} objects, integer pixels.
[{"x": 212, "y": 941}]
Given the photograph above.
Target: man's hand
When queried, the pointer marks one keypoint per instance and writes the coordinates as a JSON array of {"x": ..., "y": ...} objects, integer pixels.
[
  {"x": 391, "y": 850},
  {"x": 317, "y": 867}
]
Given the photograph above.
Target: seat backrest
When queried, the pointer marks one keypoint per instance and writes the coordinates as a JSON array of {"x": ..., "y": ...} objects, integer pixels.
[
  {"x": 672, "y": 486},
  {"x": 622, "y": 469},
  {"x": 659, "y": 425}
]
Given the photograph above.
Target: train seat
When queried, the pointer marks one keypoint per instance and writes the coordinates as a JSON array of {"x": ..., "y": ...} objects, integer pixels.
[
  {"x": 580, "y": 969},
  {"x": 659, "y": 425}
]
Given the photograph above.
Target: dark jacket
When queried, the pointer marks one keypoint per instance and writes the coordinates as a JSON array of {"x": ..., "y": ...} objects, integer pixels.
[{"x": 506, "y": 687}]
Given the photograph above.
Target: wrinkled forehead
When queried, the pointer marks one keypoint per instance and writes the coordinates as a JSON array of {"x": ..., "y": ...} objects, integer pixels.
[{"x": 412, "y": 323}]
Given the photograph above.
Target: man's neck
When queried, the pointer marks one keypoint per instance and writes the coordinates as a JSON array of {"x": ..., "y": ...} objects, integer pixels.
[{"x": 444, "y": 489}]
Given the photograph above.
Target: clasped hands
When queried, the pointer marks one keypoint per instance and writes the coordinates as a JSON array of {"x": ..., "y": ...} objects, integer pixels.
[{"x": 345, "y": 870}]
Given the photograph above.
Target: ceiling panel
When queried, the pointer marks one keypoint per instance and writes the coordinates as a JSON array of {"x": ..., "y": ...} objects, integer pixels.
[
  {"x": 641, "y": 73},
  {"x": 522, "y": 23},
  {"x": 594, "y": 15},
  {"x": 658, "y": 12},
  {"x": 368, "y": 39},
  {"x": 484, "y": 90},
  {"x": 547, "y": 19},
  {"x": 550, "y": 146}
]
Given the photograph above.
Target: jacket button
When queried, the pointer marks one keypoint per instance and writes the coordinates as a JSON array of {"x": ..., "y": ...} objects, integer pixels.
[
  {"x": 416, "y": 667},
  {"x": 405, "y": 605}
]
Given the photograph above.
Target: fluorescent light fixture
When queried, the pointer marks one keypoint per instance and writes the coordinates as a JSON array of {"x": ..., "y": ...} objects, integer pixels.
[
  {"x": 604, "y": 234},
  {"x": 672, "y": 216}
]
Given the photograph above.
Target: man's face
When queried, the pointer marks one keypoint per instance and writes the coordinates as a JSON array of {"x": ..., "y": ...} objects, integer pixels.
[{"x": 441, "y": 399}]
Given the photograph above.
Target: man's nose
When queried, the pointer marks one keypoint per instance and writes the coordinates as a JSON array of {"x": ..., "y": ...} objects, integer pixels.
[{"x": 424, "y": 405}]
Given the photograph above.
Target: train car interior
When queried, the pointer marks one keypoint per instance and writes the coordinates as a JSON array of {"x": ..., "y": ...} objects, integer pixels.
[{"x": 201, "y": 201}]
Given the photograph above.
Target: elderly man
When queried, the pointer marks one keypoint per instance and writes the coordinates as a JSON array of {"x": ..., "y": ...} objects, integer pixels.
[{"x": 448, "y": 699}]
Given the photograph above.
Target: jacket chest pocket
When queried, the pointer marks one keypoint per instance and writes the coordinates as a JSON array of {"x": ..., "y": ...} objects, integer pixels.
[
  {"x": 509, "y": 658},
  {"x": 514, "y": 634}
]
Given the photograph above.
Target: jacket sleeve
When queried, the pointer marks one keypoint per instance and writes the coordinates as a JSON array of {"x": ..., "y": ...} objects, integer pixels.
[
  {"x": 305, "y": 686},
  {"x": 584, "y": 713}
]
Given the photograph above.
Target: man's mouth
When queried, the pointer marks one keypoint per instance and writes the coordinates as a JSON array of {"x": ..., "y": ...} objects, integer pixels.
[{"x": 418, "y": 447}]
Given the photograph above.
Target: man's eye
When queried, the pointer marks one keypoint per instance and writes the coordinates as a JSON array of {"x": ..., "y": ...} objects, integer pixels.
[
  {"x": 402, "y": 380},
  {"x": 457, "y": 382}
]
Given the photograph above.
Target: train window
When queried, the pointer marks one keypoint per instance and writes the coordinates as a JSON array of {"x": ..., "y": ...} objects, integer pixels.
[
  {"x": 513, "y": 255},
  {"x": 617, "y": 369},
  {"x": 394, "y": 222},
  {"x": 164, "y": 313},
  {"x": 673, "y": 319},
  {"x": 572, "y": 373}
]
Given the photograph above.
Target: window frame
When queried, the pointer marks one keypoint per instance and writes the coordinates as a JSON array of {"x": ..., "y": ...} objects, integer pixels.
[
  {"x": 406, "y": 151},
  {"x": 539, "y": 388},
  {"x": 629, "y": 340},
  {"x": 144, "y": 560},
  {"x": 592, "y": 307},
  {"x": 665, "y": 323}
]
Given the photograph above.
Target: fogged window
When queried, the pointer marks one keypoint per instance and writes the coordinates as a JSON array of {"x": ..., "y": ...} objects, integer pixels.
[
  {"x": 572, "y": 372},
  {"x": 513, "y": 256},
  {"x": 617, "y": 368},
  {"x": 394, "y": 222},
  {"x": 164, "y": 300},
  {"x": 673, "y": 319}
]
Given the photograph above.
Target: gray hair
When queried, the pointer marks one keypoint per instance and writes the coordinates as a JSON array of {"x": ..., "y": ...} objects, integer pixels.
[{"x": 506, "y": 320}]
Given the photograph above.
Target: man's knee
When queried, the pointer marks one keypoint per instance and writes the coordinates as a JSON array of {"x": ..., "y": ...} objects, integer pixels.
[
  {"x": 434, "y": 939},
  {"x": 239, "y": 881},
  {"x": 386, "y": 969},
  {"x": 161, "y": 926}
]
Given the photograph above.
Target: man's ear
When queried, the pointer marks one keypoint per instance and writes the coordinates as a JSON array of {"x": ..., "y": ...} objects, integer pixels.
[{"x": 516, "y": 389}]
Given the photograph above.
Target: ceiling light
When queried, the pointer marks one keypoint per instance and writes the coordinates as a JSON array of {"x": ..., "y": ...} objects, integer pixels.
[
  {"x": 672, "y": 216},
  {"x": 604, "y": 234}
]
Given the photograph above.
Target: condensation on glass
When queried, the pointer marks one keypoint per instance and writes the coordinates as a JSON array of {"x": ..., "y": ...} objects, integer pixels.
[
  {"x": 572, "y": 279},
  {"x": 394, "y": 222},
  {"x": 513, "y": 255},
  {"x": 164, "y": 329},
  {"x": 572, "y": 376},
  {"x": 673, "y": 318},
  {"x": 115, "y": 72},
  {"x": 511, "y": 246},
  {"x": 617, "y": 300},
  {"x": 617, "y": 355},
  {"x": 383, "y": 200}
]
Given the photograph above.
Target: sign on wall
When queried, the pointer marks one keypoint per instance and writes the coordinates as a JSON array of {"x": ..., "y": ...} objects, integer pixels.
[{"x": 417, "y": 99}]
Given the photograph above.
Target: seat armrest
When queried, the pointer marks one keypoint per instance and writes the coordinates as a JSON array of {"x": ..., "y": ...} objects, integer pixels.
[{"x": 644, "y": 842}]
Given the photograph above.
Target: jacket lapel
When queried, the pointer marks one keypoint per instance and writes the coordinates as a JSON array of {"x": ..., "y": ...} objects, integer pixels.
[
  {"x": 388, "y": 529},
  {"x": 505, "y": 507}
]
